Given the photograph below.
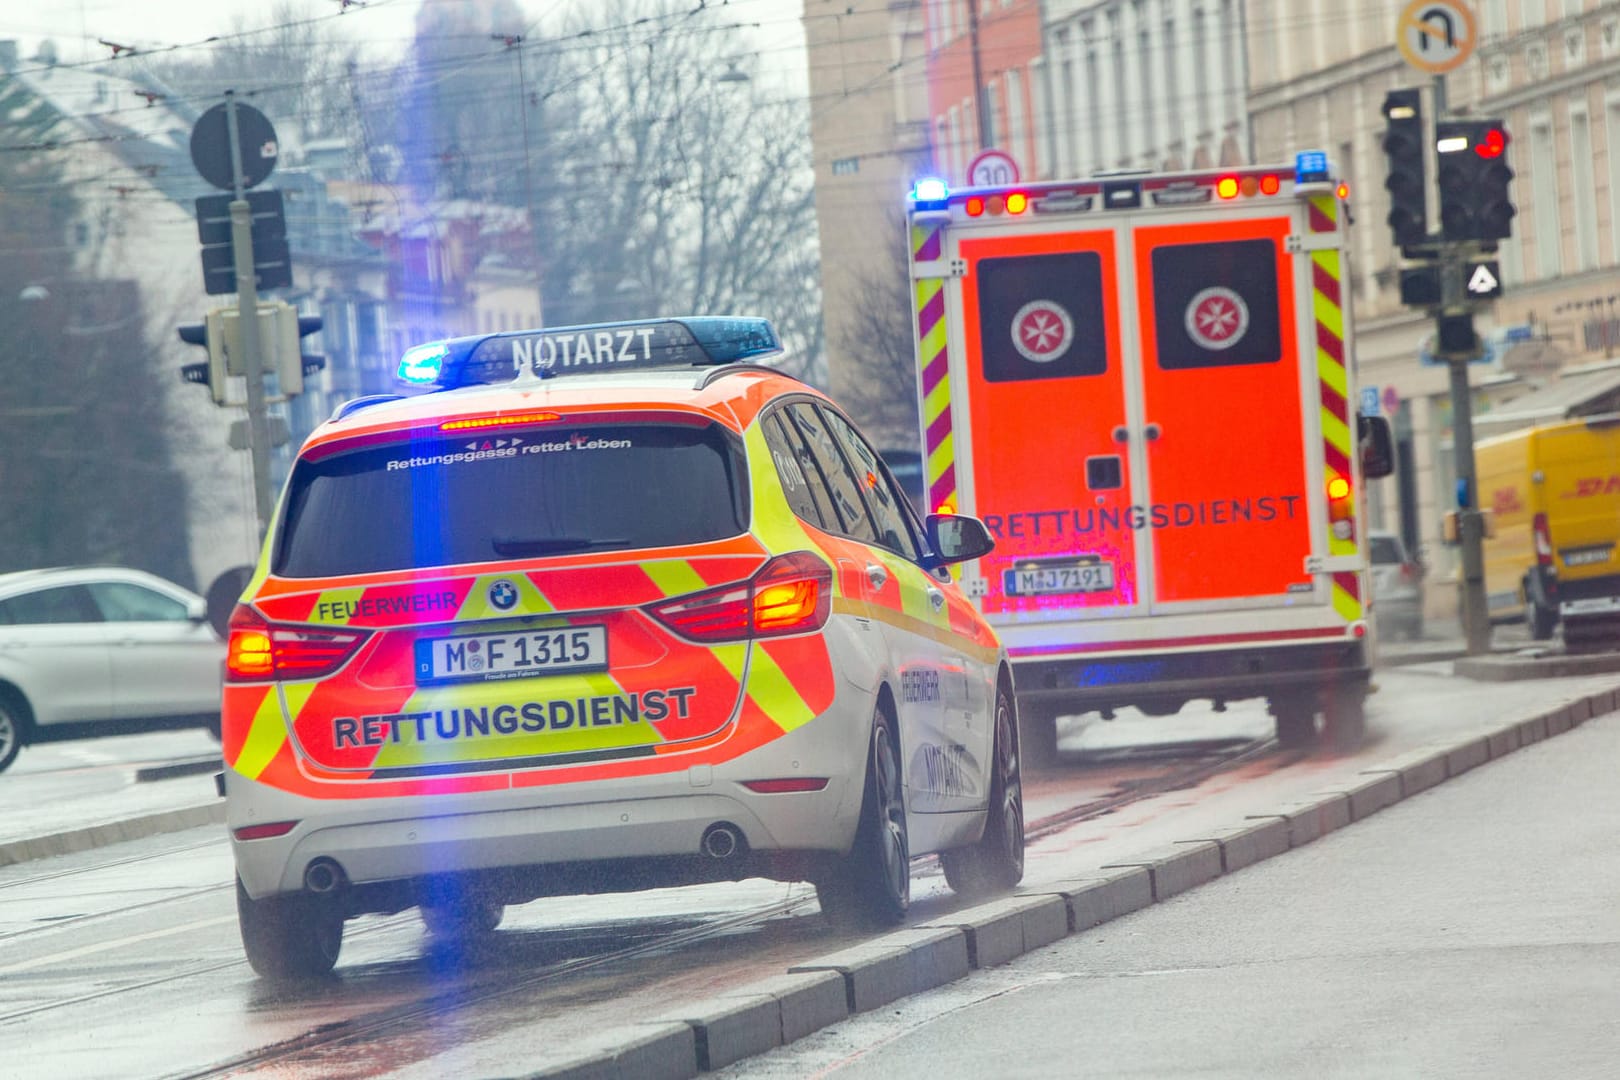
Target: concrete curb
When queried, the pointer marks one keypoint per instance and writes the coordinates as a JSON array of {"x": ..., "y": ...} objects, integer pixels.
[
  {"x": 1512, "y": 668},
  {"x": 773, "y": 1012},
  {"x": 112, "y": 832}
]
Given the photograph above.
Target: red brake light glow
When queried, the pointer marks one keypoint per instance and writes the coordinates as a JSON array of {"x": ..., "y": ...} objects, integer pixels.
[
  {"x": 258, "y": 651},
  {"x": 791, "y": 594},
  {"x": 1270, "y": 185},
  {"x": 974, "y": 206},
  {"x": 499, "y": 421},
  {"x": 1227, "y": 187},
  {"x": 1543, "y": 539}
]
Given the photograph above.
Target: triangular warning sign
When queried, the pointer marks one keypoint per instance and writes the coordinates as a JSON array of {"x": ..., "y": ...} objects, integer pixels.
[{"x": 1482, "y": 280}]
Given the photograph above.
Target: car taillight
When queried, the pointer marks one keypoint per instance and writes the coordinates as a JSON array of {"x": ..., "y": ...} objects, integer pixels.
[
  {"x": 1543, "y": 539},
  {"x": 791, "y": 594},
  {"x": 259, "y": 651}
]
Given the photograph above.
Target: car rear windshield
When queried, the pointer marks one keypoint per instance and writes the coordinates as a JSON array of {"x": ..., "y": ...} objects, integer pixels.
[
  {"x": 1386, "y": 549},
  {"x": 529, "y": 493}
]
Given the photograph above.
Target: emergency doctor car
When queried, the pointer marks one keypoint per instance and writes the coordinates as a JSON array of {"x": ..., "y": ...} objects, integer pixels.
[{"x": 614, "y": 607}]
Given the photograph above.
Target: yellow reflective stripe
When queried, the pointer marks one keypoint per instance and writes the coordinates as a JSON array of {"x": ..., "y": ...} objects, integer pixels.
[
  {"x": 943, "y": 457},
  {"x": 675, "y": 577},
  {"x": 1346, "y": 605},
  {"x": 1335, "y": 431},
  {"x": 1327, "y": 206},
  {"x": 777, "y": 697},
  {"x": 935, "y": 340},
  {"x": 265, "y": 737},
  {"x": 938, "y": 400},
  {"x": 477, "y": 605}
]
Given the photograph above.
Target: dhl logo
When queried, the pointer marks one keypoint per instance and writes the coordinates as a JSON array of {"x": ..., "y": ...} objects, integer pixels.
[
  {"x": 1588, "y": 486},
  {"x": 1506, "y": 501}
]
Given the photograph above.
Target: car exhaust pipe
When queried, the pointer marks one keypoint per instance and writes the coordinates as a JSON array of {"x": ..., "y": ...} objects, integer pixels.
[
  {"x": 323, "y": 876},
  {"x": 722, "y": 840}
]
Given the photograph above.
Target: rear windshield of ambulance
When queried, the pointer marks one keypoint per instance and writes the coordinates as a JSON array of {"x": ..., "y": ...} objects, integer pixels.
[{"x": 522, "y": 494}]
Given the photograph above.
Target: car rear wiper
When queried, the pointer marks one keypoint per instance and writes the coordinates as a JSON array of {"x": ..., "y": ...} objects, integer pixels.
[{"x": 518, "y": 548}]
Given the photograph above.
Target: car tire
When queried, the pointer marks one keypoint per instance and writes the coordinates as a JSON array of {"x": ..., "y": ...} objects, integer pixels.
[
  {"x": 1296, "y": 722},
  {"x": 871, "y": 887},
  {"x": 1543, "y": 621},
  {"x": 1037, "y": 737},
  {"x": 462, "y": 917},
  {"x": 294, "y": 936},
  {"x": 996, "y": 863},
  {"x": 1344, "y": 720},
  {"x": 15, "y": 726}
]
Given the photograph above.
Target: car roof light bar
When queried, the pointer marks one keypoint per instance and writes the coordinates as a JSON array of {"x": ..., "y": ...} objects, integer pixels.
[{"x": 666, "y": 344}]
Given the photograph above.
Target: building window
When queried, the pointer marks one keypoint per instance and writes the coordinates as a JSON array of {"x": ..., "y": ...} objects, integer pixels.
[
  {"x": 1572, "y": 8},
  {"x": 847, "y": 166},
  {"x": 1583, "y": 194},
  {"x": 1532, "y": 13},
  {"x": 1017, "y": 141},
  {"x": 1544, "y": 192}
]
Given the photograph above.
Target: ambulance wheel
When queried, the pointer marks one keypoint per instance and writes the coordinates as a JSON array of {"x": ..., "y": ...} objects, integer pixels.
[
  {"x": 463, "y": 917},
  {"x": 13, "y": 726},
  {"x": 1037, "y": 736},
  {"x": 294, "y": 936},
  {"x": 871, "y": 887},
  {"x": 996, "y": 863},
  {"x": 1296, "y": 722},
  {"x": 1543, "y": 621},
  {"x": 1344, "y": 720}
]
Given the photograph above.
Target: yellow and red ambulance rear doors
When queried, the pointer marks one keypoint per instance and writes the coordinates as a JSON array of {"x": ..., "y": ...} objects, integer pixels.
[
  {"x": 1051, "y": 471},
  {"x": 1222, "y": 423}
]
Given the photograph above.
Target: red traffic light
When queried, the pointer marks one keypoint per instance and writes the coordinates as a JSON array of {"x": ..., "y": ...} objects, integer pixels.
[{"x": 1491, "y": 143}]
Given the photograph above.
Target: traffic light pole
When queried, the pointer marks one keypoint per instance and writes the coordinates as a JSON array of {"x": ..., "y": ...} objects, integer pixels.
[
  {"x": 247, "y": 295},
  {"x": 1474, "y": 615}
]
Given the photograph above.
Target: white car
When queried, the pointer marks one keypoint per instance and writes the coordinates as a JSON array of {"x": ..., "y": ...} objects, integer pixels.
[{"x": 99, "y": 650}]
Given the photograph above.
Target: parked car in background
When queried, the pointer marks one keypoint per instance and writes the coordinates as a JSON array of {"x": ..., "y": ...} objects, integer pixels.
[
  {"x": 99, "y": 650},
  {"x": 1397, "y": 587}
]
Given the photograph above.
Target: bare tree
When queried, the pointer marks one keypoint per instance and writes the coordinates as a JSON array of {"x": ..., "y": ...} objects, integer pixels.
[{"x": 877, "y": 341}]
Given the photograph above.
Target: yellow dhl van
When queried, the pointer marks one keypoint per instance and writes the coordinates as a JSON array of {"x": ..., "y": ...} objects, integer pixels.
[{"x": 1554, "y": 494}]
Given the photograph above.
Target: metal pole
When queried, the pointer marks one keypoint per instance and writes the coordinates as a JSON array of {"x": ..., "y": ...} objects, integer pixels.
[
  {"x": 1475, "y": 616},
  {"x": 247, "y": 311},
  {"x": 984, "y": 123},
  {"x": 528, "y": 185}
]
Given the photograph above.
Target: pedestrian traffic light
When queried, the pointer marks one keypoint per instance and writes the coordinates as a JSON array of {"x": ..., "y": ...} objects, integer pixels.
[
  {"x": 210, "y": 372},
  {"x": 294, "y": 365},
  {"x": 1474, "y": 177},
  {"x": 1407, "y": 186}
]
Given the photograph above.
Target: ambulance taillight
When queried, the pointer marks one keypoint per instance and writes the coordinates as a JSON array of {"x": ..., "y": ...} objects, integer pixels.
[{"x": 1341, "y": 508}]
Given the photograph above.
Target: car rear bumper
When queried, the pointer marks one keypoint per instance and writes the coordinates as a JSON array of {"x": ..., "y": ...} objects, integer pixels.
[
  {"x": 1161, "y": 680},
  {"x": 650, "y": 819}
]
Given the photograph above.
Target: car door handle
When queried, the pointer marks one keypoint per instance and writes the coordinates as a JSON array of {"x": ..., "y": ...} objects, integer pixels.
[
  {"x": 936, "y": 598},
  {"x": 877, "y": 574}
]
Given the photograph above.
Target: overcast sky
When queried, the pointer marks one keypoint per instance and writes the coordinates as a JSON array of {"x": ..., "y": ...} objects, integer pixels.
[{"x": 382, "y": 25}]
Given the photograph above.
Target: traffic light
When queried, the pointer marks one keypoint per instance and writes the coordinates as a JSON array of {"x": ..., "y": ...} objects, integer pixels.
[
  {"x": 294, "y": 365},
  {"x": 210, "y": 372},
  {"x": 281, "y": 330},
  {"x": 1408, "y": 188},
  {"x": 1474, "y": 178}
]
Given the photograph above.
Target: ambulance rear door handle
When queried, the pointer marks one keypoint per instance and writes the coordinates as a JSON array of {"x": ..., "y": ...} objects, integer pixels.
[
  {"x": 876, "y": 574},
  {"x": 936, "y": 598},
  {"x": 1122, "y": 434},
  {"x": 1152, "y": 432}
]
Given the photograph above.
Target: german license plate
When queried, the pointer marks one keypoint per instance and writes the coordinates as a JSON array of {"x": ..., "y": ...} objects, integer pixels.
[
  {"x": 1048, "y": 579},
  {"x": 512, "y": 656},
  {"x": 1586, "y": 556}
]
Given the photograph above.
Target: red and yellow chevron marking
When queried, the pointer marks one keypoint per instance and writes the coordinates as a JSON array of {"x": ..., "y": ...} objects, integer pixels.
[
  {"x": 939, "y": 451},
  {"x": 1333, "y": 374}
]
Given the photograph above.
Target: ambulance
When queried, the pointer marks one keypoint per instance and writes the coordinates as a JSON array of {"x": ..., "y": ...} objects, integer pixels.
[{"x": 1144, "y": 386}]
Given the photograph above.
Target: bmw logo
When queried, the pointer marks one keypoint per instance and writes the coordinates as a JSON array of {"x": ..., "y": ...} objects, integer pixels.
[{"x": 503, "y": 595}]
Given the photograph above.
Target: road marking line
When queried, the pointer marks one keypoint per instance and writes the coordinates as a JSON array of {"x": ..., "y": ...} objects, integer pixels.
[{"x": 106, "y": 946}]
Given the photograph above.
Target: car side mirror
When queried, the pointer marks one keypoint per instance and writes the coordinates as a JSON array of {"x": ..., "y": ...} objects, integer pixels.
[
  {"x": 1377, "y": 445},
  {"x": 955, "y": 538}
]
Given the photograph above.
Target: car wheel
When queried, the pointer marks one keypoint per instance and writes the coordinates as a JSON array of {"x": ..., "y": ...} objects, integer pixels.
[
  {"x": 1296, "y": 722},
  {"x": 1344, "y": 720},
  {"x": 996, "y": 862},
  {"x": 13, "y": 727},
  {"x": 871, "y": 887},
  {"x": 1543, "y": 621},
  {"x": 294, "y": 936},
  {"x": 462, "y": 917}
]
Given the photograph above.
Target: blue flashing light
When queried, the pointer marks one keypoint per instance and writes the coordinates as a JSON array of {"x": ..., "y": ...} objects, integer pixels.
[
  {"x": 930, "y": 190},
  {"x": 422, "y": 364},
  {"x": 728, "y": 340},
  {"x": 1311, "y": 166}
]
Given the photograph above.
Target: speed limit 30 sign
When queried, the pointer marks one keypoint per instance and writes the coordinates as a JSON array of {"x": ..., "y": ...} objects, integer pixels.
[{"x": 992, "y": 168}]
